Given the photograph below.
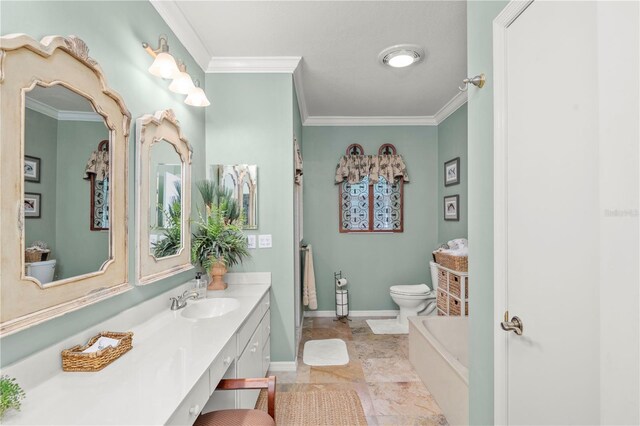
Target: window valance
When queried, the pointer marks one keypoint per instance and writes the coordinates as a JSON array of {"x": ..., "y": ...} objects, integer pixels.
[{"x": 354, "y": 168}]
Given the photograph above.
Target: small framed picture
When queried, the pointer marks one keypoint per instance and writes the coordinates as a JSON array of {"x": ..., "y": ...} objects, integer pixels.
[
  {"x": 31, "y": 169},
  {"x": 452, "y": 172},
  {"x": 32, "y": 203},
  {"x": 451, "y": 206}
]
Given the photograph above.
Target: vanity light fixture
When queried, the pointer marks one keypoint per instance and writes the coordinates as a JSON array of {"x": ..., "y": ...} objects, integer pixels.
[
  {"x": 182, "y": 82},
  {"x": 197, "y": 97},
  {"x": 165, "y": 66},
  {"x": 401, "y": 55}
]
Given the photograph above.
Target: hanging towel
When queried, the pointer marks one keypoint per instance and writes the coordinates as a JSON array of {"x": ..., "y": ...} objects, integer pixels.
[{"x": 309, "y": 281}]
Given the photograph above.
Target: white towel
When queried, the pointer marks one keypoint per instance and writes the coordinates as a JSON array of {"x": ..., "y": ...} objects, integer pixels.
[{"x": 309, "y": 281}]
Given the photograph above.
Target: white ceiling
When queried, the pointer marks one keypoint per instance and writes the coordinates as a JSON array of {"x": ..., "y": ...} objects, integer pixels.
[
  {"x": 60, "y": 98},
  {"x": 339, "y": 42}
]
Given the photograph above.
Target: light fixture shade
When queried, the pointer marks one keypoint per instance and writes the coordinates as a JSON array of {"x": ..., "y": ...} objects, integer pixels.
[
  {"x": 401, "y": 55},
  {"x": 401, "y": 59},
  {"x": 197, "y": 98},
  {"x": 182, "y": 84},
  {"x": 164, "y": 66}
]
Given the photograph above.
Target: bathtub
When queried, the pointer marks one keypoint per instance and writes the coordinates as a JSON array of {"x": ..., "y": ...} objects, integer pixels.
[{"x": 438, "y": 350}]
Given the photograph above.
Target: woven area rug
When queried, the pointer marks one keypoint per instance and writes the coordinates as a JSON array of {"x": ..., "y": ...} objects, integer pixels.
[{"x": 329, "y": 408}]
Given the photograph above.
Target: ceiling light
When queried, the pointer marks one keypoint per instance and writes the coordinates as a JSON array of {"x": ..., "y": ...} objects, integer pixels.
[
  {"x": 197, "y": 97},
  {"x": 401, "y": 55}
]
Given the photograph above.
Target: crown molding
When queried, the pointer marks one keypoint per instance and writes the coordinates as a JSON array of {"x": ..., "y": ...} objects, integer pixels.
[
  {"x": 426, "y": 120},
  {"x": 254, "y": 64},
  {"x": 370, "y": 121},
  {"x": 171, "y": 13},
  {"x": 302, "y": 102},
  {"x": 59, "y": 115},
  {"x": 450, "y": 107}
]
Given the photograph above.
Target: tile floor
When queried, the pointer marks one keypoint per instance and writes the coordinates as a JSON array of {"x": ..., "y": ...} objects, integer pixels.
[{"x": 379, "y": 371}]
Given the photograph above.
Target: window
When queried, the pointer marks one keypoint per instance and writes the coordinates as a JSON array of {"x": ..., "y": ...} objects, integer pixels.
[{"x": 373, "y": 204}]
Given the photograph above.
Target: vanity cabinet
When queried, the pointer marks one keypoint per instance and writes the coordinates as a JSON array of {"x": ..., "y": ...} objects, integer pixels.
[{"x": 252, "y": 346}]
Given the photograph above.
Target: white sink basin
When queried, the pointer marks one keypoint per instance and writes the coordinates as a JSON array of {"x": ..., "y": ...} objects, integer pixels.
[{"x": 210, "y": 308}]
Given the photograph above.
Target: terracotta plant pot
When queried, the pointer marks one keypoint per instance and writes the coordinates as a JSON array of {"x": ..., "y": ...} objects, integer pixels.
[{"x": 217, "y": 272}]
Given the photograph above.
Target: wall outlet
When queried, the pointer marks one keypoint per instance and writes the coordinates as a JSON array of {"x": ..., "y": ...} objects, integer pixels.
[
  {"x": 251, "y": 241},
  {"x": 264, "y": 241}
]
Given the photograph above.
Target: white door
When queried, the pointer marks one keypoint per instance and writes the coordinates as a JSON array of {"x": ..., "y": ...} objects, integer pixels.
[{"x": 566, "y": 213}]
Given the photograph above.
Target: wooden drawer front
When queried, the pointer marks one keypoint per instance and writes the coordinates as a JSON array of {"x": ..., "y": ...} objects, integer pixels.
[
  {"x": 249, "y": 327},
  {"x": 222, "y": 363},
  {"x": 265, "y": 325},
  {"x": 265, "y": 302},
  {"x": 250, "y": 365},
  {"x": 443, "y": 301},
  {"x": 455, "y": 306},
  {"x": 266, "y": 356},
  {"x": 442, "y": 279},
  {"x": 188, "y": 411}
]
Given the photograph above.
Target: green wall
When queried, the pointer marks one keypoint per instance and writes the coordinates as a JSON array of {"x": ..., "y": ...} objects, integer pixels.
[
  {"x": 452, "y": 143},
  {"x": 371, "y": 262},
  {"x": 480, "y": 109},
  {"x": 113, "y": 32},
  {"x": 79, "y": 250},
  {"x": 250, "y": 121},
  {"x": 41, "y": 139}
]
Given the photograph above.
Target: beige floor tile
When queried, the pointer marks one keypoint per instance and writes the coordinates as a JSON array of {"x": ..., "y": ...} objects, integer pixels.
[
  {"x": 411, "y": 421},
  {"x": 403, "y": 399},
  {"x": 390, "y": 347},
  {"x": 389, "y": 370},
  {"x": 352, "y": 372}
]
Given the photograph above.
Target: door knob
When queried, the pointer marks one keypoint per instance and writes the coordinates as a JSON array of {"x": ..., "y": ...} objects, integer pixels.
[{"x": 514, "y": 325}]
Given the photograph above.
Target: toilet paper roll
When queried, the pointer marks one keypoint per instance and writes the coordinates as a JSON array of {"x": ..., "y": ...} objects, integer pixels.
[{"x": 341, "y": 282}]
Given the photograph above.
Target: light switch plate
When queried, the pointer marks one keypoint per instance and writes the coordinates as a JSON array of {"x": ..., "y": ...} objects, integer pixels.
[
  {"x": 251, "y": 241},
  {"x": 264, "y": 241}
]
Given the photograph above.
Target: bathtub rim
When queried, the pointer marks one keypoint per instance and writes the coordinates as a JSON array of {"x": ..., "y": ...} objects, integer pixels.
[{"x": 417, "y": 323}]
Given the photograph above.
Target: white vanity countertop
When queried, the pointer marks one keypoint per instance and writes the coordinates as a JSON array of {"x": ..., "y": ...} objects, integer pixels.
[{"x": 144, "y": 387}]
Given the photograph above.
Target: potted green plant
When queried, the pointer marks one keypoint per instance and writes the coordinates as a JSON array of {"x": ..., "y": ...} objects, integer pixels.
[
  {"x": 171, "y": 232},
  {"x": 11, "y": 395},
  {"x": 218, "y": 242}
]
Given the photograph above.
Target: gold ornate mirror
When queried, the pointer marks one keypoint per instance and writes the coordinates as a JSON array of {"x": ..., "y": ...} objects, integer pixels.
[
  {"x": 164, "y": 197},
  {"x": 57, "y": 111}
]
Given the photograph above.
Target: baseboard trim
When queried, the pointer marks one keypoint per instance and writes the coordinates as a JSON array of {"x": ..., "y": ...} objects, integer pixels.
[
  {"x": 283, "y": 366},
  {"x": 381, "y": 313}
]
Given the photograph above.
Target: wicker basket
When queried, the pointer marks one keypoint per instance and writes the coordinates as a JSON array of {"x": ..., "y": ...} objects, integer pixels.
[
  {"x": 455, "y": 263},
  {"x": 31, "y": 256},
  {"x": 74, "y": 360},
  {"x": 455, "y": 307},
  {"x": 442, "y": 280}
]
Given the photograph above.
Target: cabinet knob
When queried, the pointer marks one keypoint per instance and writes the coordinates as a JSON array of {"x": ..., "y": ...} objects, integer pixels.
[
  {"x": 227, "y": 360},
  {"x": 194, "y": 410}
]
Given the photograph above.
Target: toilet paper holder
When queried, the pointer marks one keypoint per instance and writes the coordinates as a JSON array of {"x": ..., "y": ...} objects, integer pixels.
[{"x": 342, "y": 297}]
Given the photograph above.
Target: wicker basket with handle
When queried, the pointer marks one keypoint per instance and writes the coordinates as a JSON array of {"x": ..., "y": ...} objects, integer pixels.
[
  {"x": 455, "y": 263},
  {"x": 74, "y": 360}
]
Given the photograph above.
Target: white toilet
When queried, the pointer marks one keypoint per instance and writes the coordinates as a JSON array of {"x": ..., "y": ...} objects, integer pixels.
[
  {"x": 42, "y": 271},
  {"x": 415, "y": 299}
]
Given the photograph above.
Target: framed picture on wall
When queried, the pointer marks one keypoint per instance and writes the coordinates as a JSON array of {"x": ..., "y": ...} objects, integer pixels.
[
  {"x": 452, "y": 172},
  {"x": 31, "y": 169},
  {"x": 32, "y": 205},
  {"x": 451, "y": 206}
]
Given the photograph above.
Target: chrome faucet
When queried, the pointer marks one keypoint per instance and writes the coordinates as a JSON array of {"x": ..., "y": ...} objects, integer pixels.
[{"x": 180, "y": 302}]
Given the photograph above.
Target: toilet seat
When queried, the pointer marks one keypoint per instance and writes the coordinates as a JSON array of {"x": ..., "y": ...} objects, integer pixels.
[{"x": 420, "y": 290}]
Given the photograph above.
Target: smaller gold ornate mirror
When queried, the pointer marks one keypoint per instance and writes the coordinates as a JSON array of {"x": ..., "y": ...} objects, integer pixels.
[{"x": 164, "y": 197}]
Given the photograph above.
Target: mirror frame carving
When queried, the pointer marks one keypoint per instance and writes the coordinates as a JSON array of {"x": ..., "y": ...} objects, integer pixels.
[
  {"x": 150, "y": 129},
  {"x": 25, "y": 62}
]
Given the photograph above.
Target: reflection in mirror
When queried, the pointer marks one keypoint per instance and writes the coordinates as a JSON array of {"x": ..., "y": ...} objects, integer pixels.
[
  {"x": 165, "y": 210},
  {"x": 241, "y": 180},
  {"x": 62, "y": 133}
]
